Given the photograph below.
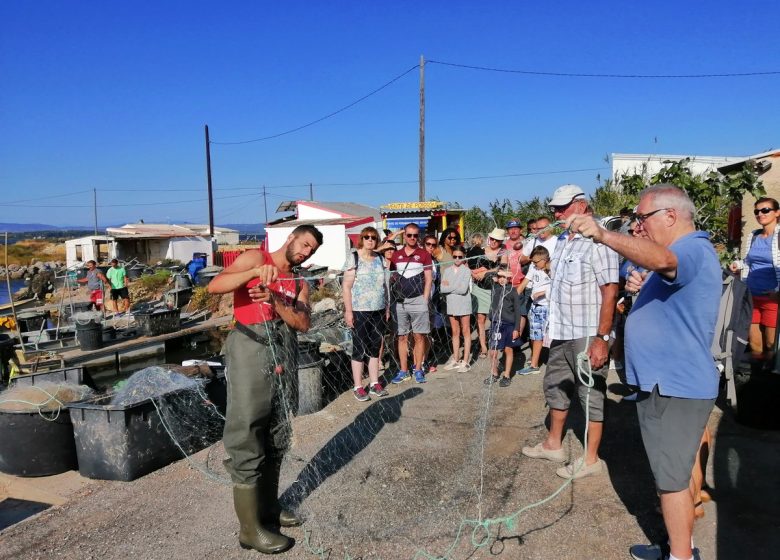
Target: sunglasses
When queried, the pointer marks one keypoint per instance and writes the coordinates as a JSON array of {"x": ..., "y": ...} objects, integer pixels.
[
  {"x": 371, "y": 237},
  {"x": 640, "y": 218},
  {"x": 430, "y": 244},
  {"x": 458, "y": 257},
  {"x": 758, "y": 211},
  {"x": 452, "y": 237},
  {"x": 492, "y": 239},
  {"x": 413, "y": 235}
]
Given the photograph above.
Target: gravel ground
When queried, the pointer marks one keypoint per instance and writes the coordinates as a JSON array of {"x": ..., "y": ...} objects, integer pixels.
[{"x": 398, "y": 476}]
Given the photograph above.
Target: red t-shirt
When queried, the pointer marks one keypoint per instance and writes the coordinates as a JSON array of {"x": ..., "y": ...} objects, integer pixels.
[
  {"x": 249, "y": 313},
  {"x": 410, "y": 269}
]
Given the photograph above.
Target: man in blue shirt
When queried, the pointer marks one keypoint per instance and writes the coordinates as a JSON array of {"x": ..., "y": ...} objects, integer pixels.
[{"x": 668, "y": 337}]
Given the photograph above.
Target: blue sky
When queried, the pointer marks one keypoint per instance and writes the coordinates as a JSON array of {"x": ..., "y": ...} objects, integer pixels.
[{"x": 114, "y": 96}]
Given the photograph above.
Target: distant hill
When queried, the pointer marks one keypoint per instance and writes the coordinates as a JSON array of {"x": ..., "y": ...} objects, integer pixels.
[
  {"x": 19, "y": 228},
  {"x": 27, "y": 228},
  {"x": 246, "y": 228}
]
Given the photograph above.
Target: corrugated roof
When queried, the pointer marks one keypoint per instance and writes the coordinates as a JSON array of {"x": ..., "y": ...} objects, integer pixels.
[
  {"x": 346, "y": 208},
  {"x": 164, "y": 230},
  {"x": 323, "y": 222}
]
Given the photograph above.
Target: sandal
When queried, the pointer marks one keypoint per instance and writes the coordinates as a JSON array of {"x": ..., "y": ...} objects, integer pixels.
[
  {"x": 492, "y": 379},
  {"x": 698, "y": 510},
  {"x": 482, "y": 355}
]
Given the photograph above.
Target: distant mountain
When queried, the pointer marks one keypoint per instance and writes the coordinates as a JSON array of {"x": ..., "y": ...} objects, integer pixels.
[{"x": 22, "y": 228}]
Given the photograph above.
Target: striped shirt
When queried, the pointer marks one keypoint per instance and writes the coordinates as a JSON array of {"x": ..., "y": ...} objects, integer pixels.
[{"x": 577, "y": 269}]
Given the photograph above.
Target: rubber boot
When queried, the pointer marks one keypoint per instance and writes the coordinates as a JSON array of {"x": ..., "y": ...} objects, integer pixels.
[
  {"x": 253, "y": 535},
  {"x": 275, "y": 513}
]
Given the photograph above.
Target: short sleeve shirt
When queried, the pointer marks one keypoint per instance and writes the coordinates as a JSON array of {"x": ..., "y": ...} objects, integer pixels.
[
  {"x": 368, "y": 290},
  {"x": 670, "y": 328},
  {"x": 410, "y": 268},
  {"x": 539, "y": 281},
  {"x": 117, "y": 277},
  {"x": 549, "y": 244},
  {"x": 577, "y": 269}
]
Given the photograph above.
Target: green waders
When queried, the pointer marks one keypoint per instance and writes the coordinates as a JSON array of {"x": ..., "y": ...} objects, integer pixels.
[{"x": 261, "y": 401}]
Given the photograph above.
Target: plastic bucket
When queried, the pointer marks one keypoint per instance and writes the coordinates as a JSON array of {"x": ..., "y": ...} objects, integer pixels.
[
  {"x": 36, "y": 446},
  {"x": 89, "y": 330},
  {"x": 31, "y": 321}
]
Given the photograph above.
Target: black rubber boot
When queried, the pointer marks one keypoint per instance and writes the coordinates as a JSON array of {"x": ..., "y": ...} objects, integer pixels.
[
  {"x": 275, "y": 513},
  {"x": 253, "y": 535}
]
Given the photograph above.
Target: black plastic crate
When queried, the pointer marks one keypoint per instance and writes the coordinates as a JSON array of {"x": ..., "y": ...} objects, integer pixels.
[
  {"x": 126, "y": 442},
  {"x": 75, "y": 375},
  {"x": 154, "y": 323}
]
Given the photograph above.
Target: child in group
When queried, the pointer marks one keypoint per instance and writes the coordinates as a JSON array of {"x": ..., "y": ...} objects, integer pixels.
[
  {"x": 539, "y": 283},
  {"x": 505, "y": 308},
  {"x": 455, "y": 285}
]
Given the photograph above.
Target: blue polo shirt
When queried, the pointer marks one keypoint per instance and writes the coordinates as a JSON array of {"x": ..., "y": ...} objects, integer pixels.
[{"x": 670, "y": 328}]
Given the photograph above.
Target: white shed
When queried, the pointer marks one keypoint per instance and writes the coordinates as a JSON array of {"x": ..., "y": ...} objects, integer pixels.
[{"x": 98, "y": 248}]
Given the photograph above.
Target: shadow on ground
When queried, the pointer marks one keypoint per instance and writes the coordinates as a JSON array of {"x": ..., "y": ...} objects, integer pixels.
[{"x": 345, "y": 445}]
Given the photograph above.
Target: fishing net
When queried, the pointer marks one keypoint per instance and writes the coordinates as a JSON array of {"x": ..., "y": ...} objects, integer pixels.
[
  {"x": 415, "y": 470},
  {"x": 43, "y": 397}
]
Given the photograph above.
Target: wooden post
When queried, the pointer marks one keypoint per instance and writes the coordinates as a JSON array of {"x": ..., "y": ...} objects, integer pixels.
[
  {"x": 265, "y": 207},
  {"x": 208, "y": 179},
  {"x": 94, "y": 205},
  {"x": 11, "y": 295},
  {"x": 311, "y": 192},
  {"x": 422, "y": 129}
]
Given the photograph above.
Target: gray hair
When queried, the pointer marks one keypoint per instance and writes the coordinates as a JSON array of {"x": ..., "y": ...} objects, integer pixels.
[{"x": 667, "y": 195}]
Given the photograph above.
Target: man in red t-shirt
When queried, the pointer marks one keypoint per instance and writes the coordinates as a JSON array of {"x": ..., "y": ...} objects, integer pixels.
[
  {"x": 411, "y": 292},
  {"x": 514, "y": 247}
]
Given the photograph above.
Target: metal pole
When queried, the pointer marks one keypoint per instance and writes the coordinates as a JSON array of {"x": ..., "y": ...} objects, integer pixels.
[
  {"x": 265, "y": 207},
  {"x": 208, "y": 178},
  {"x": 422, "y": 129},
  {"x": 11, "y": 296},
  {"x": 94, "y": 205}
]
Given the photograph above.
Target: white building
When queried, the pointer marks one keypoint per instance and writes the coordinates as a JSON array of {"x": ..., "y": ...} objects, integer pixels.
[
  {"x": 339, "y": 222},
  {"x": 650, "y": 164},
  {"x": 147, "y": 243}
]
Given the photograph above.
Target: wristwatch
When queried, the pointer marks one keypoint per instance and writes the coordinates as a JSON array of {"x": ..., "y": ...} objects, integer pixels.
[{"x": 604, "y": 337}]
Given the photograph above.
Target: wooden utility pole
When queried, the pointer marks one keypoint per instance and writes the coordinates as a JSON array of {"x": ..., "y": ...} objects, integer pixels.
[
  {"x": 208, "y": 179},
  {"x": 422, "y": 129},
  {"x": 311, "y": 192},
  {"x": 94, "y": 206},
  {"x": 265, "y": 207}
]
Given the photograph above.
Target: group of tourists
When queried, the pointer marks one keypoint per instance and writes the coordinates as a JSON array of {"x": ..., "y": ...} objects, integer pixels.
[{"x": 564, "y": 287}]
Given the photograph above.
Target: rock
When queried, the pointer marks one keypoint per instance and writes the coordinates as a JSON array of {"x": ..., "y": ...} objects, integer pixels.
[
  {"x": 17, "y": 275},
  {"x": 325, "y": 304}
]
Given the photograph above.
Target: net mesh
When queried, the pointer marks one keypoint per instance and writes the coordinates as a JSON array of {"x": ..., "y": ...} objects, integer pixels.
[{"x": 416, "y": 470}]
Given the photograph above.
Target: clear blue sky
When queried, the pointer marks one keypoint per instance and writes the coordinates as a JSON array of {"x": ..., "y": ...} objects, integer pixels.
[{"x": 114, "y": 95}]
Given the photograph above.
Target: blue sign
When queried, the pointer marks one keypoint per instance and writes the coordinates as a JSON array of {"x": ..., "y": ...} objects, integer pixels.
[{"x": 400, "y": 223}]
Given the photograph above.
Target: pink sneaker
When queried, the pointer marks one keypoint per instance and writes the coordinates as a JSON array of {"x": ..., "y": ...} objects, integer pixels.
[{"x": 361, "y": 394}]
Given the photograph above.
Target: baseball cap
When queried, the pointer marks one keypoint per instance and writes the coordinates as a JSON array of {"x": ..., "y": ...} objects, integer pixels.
[
  {"x": 513, "y": 223},
  {"x": 565, "y": 194}
]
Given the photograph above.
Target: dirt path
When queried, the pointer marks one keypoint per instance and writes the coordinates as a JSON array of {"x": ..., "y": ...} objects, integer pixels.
[{"x": 390, "y": 478}]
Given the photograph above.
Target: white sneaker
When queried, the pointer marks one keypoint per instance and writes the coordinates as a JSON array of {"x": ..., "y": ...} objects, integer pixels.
[
  {"x": 451, "y": 364},
  {"x": 578, "y": 469},
  {"x": 463, "y": 367}
]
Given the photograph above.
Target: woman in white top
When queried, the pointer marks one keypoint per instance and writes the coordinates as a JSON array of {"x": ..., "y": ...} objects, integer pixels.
[{"x": 455, "y": 284}]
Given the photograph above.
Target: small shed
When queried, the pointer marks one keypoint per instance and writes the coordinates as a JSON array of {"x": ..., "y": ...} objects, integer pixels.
[
  {"x": 98, "y": 248},
  {"x": 150, "y": 243},
  {"x": 433, "y": 216}
]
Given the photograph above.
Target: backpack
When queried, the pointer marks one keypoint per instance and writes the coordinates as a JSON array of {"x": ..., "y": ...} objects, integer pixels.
[{"x": 735, "y": 314}]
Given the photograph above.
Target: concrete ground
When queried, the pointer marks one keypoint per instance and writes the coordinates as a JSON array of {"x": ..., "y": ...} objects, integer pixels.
[{"x": 395, "y": 478}]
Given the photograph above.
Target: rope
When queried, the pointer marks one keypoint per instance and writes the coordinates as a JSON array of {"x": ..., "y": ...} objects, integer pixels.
[{"x": 41, "y": 405}]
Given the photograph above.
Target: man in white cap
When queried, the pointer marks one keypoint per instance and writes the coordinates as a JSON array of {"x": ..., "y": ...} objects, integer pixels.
[{"x": 582, "y": 300}]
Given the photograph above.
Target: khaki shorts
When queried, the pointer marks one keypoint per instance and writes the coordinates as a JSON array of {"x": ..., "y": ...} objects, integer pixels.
[{"x": 561, "y": 379}]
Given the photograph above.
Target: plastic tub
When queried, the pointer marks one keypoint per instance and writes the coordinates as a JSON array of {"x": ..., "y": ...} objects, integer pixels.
[
  {"x": 74, "y": 375},
  {"x": 31, "y": 321},
  {"x": 158, "y": 322},
  {"x": 36, "y": 446}
]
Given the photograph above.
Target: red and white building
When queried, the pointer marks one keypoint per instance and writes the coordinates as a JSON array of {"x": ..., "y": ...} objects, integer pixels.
[{"x": 339, "y": 222}]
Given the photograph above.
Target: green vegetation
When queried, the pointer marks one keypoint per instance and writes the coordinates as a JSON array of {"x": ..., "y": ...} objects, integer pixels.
[
  {"x": 29, "y": 251},
  {"x": 156, "y": 281},
  {"x": 202, "y": 299}
]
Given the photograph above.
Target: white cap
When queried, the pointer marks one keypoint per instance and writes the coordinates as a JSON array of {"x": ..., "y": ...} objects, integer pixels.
[
  {"x": 565, "y": 194},
  {"x": 497, "y": 234}
]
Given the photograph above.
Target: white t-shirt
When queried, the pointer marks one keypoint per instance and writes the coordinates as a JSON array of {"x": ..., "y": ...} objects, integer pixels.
[
  {"x": 531, "y": 244},
  {"x": 539, "y": 282}
]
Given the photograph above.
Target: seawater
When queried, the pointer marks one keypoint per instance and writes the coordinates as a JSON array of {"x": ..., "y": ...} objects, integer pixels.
[{"x": 16, "y": 285}]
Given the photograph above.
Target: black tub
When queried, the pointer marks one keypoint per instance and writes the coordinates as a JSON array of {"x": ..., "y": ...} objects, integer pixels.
[{"x": 32, "y": 445}]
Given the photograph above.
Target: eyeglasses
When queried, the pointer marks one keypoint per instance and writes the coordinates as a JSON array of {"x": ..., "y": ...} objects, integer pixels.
[
  {"x": 430, "y": 244},
  {"x": 412, "y": 235},
  {"x": 458, "y": 257},
  {"x": 640, "y": 218},
  {"x": 764, "y": 210},
  {"x": 371, "y": 237}
]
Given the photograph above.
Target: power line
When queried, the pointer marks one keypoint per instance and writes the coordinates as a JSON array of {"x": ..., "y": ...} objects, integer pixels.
[
  {"x": 329, "y": 115},
  {"x": 48, "y": 197},
  {"x": 594, "y": 75},
  {"x": 127, "y": 205}
]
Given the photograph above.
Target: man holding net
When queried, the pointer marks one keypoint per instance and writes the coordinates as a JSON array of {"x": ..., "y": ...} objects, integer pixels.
[
  {"x": 582, "y": 299},
  {"x": 270, "y": 306},
  {"x": 667, "y": 345}
]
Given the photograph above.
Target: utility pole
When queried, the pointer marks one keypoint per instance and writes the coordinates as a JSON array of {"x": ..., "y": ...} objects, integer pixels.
[
  {"x": 422, "y": 129},
  {"x": 94, "y": 207},
  {"x": 208, "y": 178},
  {"x": 311, "y": 192},
  {"x": 265, "y": 207}
]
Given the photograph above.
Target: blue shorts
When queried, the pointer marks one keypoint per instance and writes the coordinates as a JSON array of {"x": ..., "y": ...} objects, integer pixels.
[
  {"x": 537, "y": 319},
  {"x": 500, "y": 335}
]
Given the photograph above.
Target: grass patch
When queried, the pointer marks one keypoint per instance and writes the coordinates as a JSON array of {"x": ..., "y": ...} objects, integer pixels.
[
  {"x": 156, "y": 281},
  {"x": 32, "y": 250},
  {"x": 202, "y": 299}
]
